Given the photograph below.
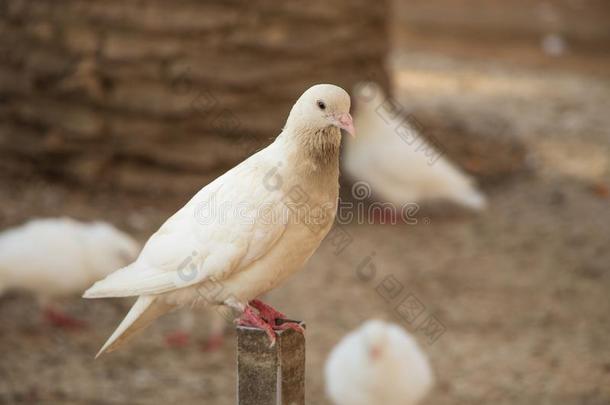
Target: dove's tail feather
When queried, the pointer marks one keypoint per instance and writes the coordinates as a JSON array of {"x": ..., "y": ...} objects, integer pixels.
[
  {"x": 113, "y": 284},
  {"x": 472, "y": 199},
  {"x": 146, "y": 309},
  {"x": 447, "y": 181}
]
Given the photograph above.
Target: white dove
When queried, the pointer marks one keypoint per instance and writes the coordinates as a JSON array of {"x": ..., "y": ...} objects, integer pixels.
[
  {"x": 379, "y": 363},
  {"x": 247, "y": 231},
  {"x": 58, "y": 257},
  {"x": 397, "y": 163}
]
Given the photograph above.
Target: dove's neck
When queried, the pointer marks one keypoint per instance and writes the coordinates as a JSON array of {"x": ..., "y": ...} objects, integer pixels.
[{"x": 314, "y": 152}]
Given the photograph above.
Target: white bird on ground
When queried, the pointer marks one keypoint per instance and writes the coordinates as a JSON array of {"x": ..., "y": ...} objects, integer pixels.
[
  {"x": 379, "y": 363},
  {"x": 399, "y": 166},
  {"x": 59, "y": 257},
  {"x": 247, "y": 231}
]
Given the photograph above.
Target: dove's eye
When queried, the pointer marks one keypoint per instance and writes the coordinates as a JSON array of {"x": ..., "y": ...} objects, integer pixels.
[{"x": 321, "y": 105}]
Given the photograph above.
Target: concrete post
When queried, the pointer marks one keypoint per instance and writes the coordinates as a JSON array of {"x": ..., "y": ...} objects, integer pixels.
[{"x": 270, "y": 376}]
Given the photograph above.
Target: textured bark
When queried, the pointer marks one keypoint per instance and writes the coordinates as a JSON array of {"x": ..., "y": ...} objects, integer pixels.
[{"x": 163, "y": 96}]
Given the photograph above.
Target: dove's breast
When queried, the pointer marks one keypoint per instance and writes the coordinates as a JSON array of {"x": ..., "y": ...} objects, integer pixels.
[
  {"x": 306, "y": 226},
  {"x": 288, "y": 256}
]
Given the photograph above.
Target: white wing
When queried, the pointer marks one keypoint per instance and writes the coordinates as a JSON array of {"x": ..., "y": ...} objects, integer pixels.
[{"x": 226, "y": 226}]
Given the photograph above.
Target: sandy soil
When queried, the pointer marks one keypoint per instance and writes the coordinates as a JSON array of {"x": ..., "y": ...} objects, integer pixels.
[{"x": 521, "y": 291}]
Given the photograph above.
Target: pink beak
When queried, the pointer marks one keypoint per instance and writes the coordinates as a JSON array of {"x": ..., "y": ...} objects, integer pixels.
[
  {"x": 344, "y": 121},
  {"x": 375, "y": 353}
]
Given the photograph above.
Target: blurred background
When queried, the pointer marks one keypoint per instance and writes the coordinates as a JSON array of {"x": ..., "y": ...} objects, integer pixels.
[{"x": 121, "y": 110}]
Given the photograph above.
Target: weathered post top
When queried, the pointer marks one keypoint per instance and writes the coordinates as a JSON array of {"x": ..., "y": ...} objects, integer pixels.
[{"x": 270, "y": 376}]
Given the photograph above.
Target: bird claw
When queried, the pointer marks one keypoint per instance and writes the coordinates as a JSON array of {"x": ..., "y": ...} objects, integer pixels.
[
  {"x": 267, "y": 319},
  {"x": 273, "y": 317},
  {"x": 272, "y": 340},
  {"x": 252, "y": 318},
  {"x": 289, "y": 324},
  {"x": 282, "y": 321},
  {"x": 267, "y": 312}
]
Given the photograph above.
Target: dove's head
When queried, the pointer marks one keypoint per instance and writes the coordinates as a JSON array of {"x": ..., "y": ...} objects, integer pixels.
[
  {"x": 368, "y": 93},
  {"x": 369, "y": 97},
  {"x": 375, "y": 337},
  {"x": 320, "y": 109}
]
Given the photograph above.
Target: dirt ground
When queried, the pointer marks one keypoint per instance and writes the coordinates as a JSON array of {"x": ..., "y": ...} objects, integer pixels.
[{"x": 522, "y": 291}]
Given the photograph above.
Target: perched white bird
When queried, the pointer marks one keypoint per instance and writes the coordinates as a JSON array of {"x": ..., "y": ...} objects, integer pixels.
[
  {"x": 247, "y": 231},
  {"x": 58, "y": 257},
  {"x": 379, "y": 363},
  {"x": 397, "y": 163}
]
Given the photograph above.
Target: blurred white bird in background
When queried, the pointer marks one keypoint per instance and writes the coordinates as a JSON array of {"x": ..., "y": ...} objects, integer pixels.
[
  {"x": 379, "y": 363},
  {"x": 397, "y": 163},
  {"x": 247, "y": 231},
  {"x": 59, "y": 257}
]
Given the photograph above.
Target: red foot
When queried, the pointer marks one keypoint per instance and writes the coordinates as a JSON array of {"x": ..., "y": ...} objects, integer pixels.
[
  {"x": 267, "y": 312},
  {"x": 177, "y": 339},
  {"x": 63, "y": 321},
  {"x": 252, "y": 318},
  {"x": 267, "y": 318},
  {"x": 291, "y": 325},
  {"x": 213, "y": 343}
]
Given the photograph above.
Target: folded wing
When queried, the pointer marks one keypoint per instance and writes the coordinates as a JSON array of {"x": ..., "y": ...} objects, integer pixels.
[{"x": 225, "y": 227}]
